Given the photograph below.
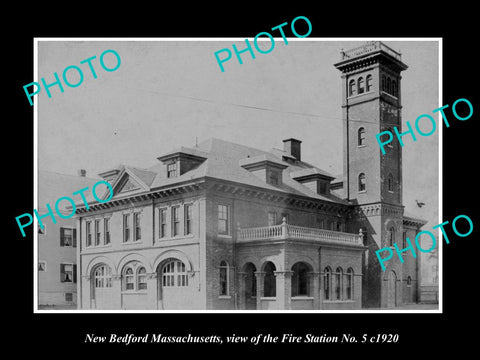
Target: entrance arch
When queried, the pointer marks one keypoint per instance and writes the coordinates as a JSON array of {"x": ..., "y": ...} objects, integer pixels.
[
  {"x": 392, "y": 289},
  {"x": 102, "y": 292},
  {"x": 250, "y": 286},
  {"x": 174, "y": 288}
]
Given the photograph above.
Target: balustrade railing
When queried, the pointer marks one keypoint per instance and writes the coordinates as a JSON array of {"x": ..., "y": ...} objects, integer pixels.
[
  {"x": 287, "y": 231},
  {"x": 370, "y": 47}
]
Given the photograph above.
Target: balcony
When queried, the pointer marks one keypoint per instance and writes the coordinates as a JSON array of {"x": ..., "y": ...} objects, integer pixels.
[{"x": 292, "y": 232}]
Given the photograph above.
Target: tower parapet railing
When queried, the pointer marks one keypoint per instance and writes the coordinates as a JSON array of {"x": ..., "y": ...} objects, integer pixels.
[{"x": 369, "y": 47}]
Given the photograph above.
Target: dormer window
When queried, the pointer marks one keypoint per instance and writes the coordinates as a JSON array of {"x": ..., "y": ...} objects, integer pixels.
[
  {"x": 266, "y": 167},
  {"x": 182, "y": 160},
  {"x": 172, "y": 170},
  {"x": 273, "y": 178},
  {"x": 315, "y": 179}
]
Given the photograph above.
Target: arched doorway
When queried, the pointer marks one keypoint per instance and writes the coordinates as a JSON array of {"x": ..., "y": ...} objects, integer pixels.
[
  {"x": 173, "y": 285},
  {"x": 102, "y": 293},
  {"x": 250, "y": 287},
  {"x": 392, "y": 290}
]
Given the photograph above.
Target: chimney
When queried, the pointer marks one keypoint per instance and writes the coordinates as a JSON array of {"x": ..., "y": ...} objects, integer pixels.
[
  {"x": 292, "y": 147},
  {"x": 82, "y": 172}
]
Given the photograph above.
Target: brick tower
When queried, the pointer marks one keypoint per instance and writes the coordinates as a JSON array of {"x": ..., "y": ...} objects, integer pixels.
[{"x": 371, "y": 103}]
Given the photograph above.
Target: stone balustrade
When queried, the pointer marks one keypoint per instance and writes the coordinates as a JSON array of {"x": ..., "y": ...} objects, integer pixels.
[
  {"x": 293, "y": 232},
  {"x": 370, "y": 47}
]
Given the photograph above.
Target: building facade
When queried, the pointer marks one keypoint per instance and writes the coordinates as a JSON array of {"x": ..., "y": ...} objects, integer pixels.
[
  {"x": 224, "y": 226},
  {"x": 57, "y": 242}
]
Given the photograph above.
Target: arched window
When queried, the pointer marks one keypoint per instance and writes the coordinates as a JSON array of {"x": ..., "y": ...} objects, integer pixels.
[
  {"x": 174, "y": 274},
  {"x": 103, "y": 276},
  {"x": 141, "y": 278},
  {"x": 128, "y": 279},
  {"x": 327, "y": 281},
  {"x": 352, "y": 90},
  {"x": 369, "y": 83},
  {"x": 224, "y": 278},
  {"x": 394, "y": 88},
  {"x": 361, "y": 136},
  {"x": 389, "y": 86},
  {"x": 269, "y": 283},
  {"x": 300, "y": 280},
  {"x": 390, "y": 182},
  {"x": 349, "y": 284},
  {"x": 361, "y": 85},
  {"x": 361, "y": 182},
  {"x": 391, "y": 236},
  {"x": 338, "y": 283},
  {"x": 384, "y": 83}
]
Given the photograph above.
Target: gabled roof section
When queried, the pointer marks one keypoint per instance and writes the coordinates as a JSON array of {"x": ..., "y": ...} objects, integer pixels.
[
  {"x": 221, "y": 160},
  {"x": 53, "y": 185}
]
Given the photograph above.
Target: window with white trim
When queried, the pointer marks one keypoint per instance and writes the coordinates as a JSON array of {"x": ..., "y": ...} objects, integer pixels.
[
  {"x": 174, "y": 274},
  {"x": 137, "y": 227},
  {"x": 162, "y": 218},
  {"x": 223, "y": 219},
  {"x": 126, "y": 227},
  {"x": 103, "y": 276},
  {"x": 188, "y": 218}
]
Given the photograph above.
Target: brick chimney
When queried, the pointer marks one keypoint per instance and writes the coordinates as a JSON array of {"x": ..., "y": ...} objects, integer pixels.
[
  {"x": 82, "y": 172},
  {"x": 292, "y": 147}
]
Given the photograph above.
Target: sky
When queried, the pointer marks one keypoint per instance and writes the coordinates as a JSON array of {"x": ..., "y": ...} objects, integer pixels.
[{"x": 167, "y": 94}]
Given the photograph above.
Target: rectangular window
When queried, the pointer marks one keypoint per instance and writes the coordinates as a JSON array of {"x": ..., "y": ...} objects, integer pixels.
[
  {"x": 97, "y": 232},
  {"x": 106, "y": 231},
  {"x": 68, "y": 273},
  {"x": 136, "y": 225},
  {"x": 66, "y": 236},
  {"x": 42, "y": 266},
  {"x": 126, "y": 227},
  {"x": 88, "y": 225},
  {"x": 188, "y": 219},
  {"x": 162, "y": 228},
  {"x": 272, "y": 218},
  {"x": 42, "y": 231},
  {"x": 175, "y": 221},
  {"x": 172, "y": 170},
  {"x": 404, "y": 239},
  {"x": 68, "y": 297},
  {"x": 223, "y": 220}
]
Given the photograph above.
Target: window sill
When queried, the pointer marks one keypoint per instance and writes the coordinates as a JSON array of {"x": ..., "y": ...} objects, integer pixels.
[
  {"x": 224, "y": 297},
  {"x": 133, "y": 292},
  {"x": 338, "y": 301},
  {"x": 390, "y": 95},
  {"x": 362, "y": 192},
  {"x": 302, "y": 297},
  {"x": 268, "y": 298},
  {"x": 132, "y": 242},
  {"x": 97, "y": 246},
  {"x": 225, "y": 236},
  {"x": 358, "y": 95}
]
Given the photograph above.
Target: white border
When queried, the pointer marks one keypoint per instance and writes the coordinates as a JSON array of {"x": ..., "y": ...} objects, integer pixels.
[{"x": 366, "y": 311}]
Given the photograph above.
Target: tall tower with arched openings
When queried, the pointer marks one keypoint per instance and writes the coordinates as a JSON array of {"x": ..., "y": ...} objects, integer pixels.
[{"x": 371, "y": 103}]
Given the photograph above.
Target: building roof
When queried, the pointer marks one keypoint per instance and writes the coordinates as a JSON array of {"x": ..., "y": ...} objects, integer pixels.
[
  {"x": 53, "y": 185},
  {"x": 223, "y": 160}
]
